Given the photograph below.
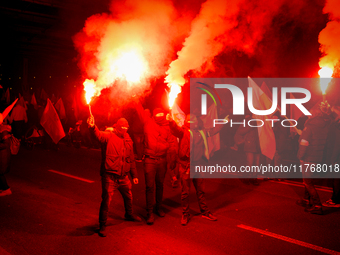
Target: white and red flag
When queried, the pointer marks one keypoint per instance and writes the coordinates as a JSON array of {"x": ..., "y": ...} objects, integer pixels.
[
  {"x": 178, "y": 115},
  {"x": 59, "y": 106},
  {"x": 51, "y": 123},
  {"x": 266, "y": 134},
  {"x": 34, "y": 100}
]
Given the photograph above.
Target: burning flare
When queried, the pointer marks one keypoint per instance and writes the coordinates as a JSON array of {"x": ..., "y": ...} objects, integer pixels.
[
  {"x": 129, "y": 66},
  {"x": 90, "y": 90},
  {"x": 175, "y": 89},
  {"x": 325, "y": 74}
]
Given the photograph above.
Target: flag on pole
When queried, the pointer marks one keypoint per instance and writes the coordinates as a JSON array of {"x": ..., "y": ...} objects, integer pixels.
[
  {"x": 51, "y": 123},
  {"x": 7, "y": 96},
  {"x": 34, "y": 100},
  {"x": 177, "y": 114},
  {"x": 208, "y": 123},
  {"x": 266, "y": 134},
  {"x": 266, "y": 90},
  {"x": 8, "y": 109},
  {"x": 22, "y": 102},
  {"x": 43, "y": 95},
  {"x": 59, "y": 106}
]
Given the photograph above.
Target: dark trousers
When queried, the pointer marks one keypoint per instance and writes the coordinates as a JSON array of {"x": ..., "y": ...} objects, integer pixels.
[
  {"x": 3, "y": 182},
  {"x": 310, "y": 192},
  {"x": 199, "y": 186},
  {"x": 336, "y": 191},
  {"x": 110, "y": 183},
  {"x": 139, "y": 145},
  {"x": 154, "y": 171},
  {"x": 253, "y": 159}
]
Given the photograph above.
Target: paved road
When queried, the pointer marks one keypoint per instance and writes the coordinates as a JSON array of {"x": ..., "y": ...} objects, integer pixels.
[{"x": 50, "y": 213}]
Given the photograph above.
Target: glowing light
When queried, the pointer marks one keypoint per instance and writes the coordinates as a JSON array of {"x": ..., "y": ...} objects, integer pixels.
[
  {"x": 175, "y": 89},
  {"x": 130, "y": 66},
  {"x": 325, "y": 72},
  {"x": 90, "y": 89},
  {"x": 325, "y": 78}
]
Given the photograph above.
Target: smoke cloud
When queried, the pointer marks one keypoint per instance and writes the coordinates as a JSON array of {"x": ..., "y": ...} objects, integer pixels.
[
  {"x": 128, "y": 47},
  {"x": 238, "y": 25},
  {"x": 329, "y": 37},
  {"x": 202, "y": 34}
]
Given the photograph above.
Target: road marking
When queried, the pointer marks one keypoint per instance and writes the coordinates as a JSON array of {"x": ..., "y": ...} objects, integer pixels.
[
  {"x": 298, "y": 184},
  {"x": 290, "y": 240},
  {"x": 71, "y": 176}
]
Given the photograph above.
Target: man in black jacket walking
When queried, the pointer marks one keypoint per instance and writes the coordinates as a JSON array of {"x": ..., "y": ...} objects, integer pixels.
[
  {"x": 117, "y": 162},
  {"x": 311, "y": 151}
]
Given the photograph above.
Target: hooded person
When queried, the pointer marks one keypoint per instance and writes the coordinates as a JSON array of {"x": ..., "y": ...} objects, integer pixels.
[
  {"x": 312, "y": 144},
  {"x": 18, "y": 118},
  {"x": 5, "y": 157},
  {"x": 117, "y": 162},
  {"x": 192, "y": 148},
  {"x": 160, "y": 145},
  {"x": 332, "y": 157}
]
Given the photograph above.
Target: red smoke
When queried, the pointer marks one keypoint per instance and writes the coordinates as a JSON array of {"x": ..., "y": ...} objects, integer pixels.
[
  {"x": 262, "y": 30},
  {"x": 129, "y": 46},
  {"x": 329, "y": 37}
]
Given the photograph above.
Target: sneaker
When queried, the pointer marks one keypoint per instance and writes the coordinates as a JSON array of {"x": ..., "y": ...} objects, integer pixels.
[
  {"x": 209, "y": 216},
  {"x": 102, "y": 231},
  {"x": 315, "y": 209},
  {"x": 302, "y": 202},
  {"x": 139, "y": 160},
  {"x": 151, "y": 219},
  {"x": 330, "y": 203},
  {"x": 5, "y": 192},
  {"x": 133, "y": 217},
  {"x": 185, "y": 219},
  {"x": 160, "y": 212}
]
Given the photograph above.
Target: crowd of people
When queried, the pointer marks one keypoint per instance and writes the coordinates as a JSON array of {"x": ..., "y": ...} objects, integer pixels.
[
  {"x": 163, "y": 145},
  {"x": 162, "y": 149}
]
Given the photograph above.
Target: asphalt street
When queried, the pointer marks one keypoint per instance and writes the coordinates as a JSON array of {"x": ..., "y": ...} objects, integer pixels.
[{"x": 56, "y": 197}]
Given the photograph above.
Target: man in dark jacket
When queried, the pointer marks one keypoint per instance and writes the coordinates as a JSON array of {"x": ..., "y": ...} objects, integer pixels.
[
  {"x": 117, "y": 162},
  {"x": 333, "y": 157},
  {"x": 158, "y": 144},
  {"x": 193, "y": 142},
  {"x": 311, "y": 151},
  {"x": 251, "y": 148},
  {"x": 5, "y": 157}
]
